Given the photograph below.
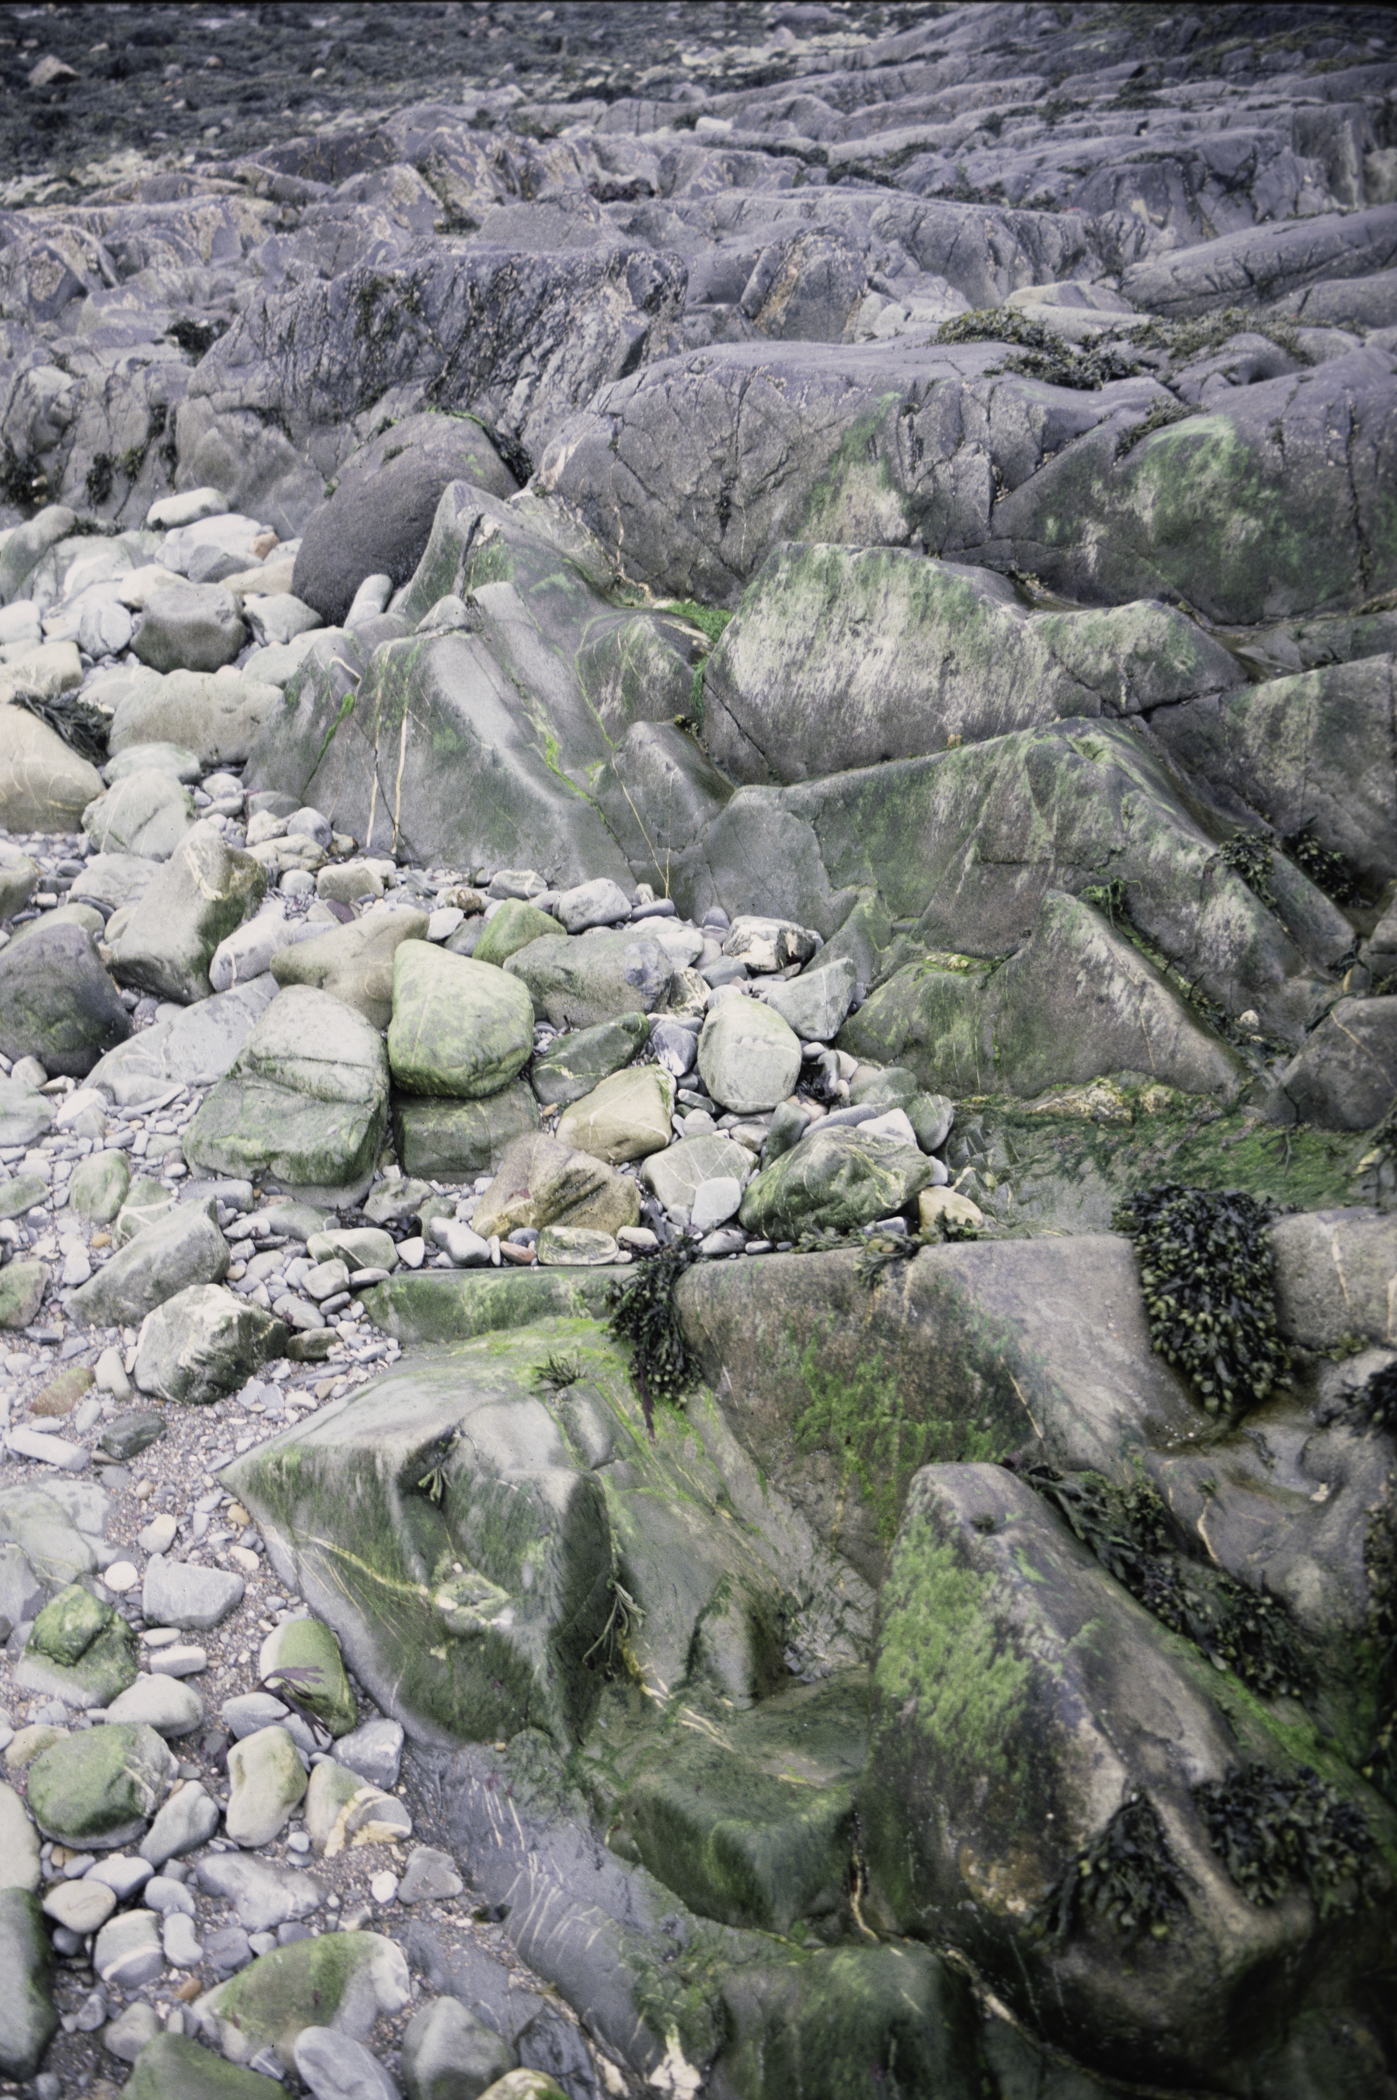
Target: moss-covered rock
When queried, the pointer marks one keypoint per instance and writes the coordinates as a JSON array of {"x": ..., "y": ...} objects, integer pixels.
[
  {"x": 343, "y": 1980},
  {"x": 80, "y": 1651},
  {"x": 304, "y": 1656},
  {"x": 512, "y": 927},
  {"x": 99, "y": 1789},
  {"x": 460, "y": 1027},
  {"x": 834, "y": 1180},
  {"x": 580, "y": 983},
  {"x": 451, "y": 1140},
  {"x": 170, "y": 2067}
]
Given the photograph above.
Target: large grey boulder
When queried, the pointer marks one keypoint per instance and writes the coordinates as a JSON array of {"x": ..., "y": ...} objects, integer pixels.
[
  {"x": 306, "y": 1099},
  {"x": 202, "y": 1343},
  {"x": 216, "y": 718},
  {"x": 44, "y": 785},
  {"x": 386, "y": 494},
  {"x": 581, "y": 981},
  {"x": 1344, "y": 1077},
  {"x": 460, "y": 1028},
  {"x": 354, "y": 963},
  {"x": 29, "y": 2018},
  {"x": 190, "y": 627},
  {"x": 1264, "y": 263},
  {"x": 184, "y": 1046},
  {"x": 145, "y": 813},
  {"x": 659, "y": 792},
  {"x": 180, "y": 1250},
  {"x": 57, "y": 1002},
  {"x": 843, "y": 657},
  {"x": 204, "y": 891}
]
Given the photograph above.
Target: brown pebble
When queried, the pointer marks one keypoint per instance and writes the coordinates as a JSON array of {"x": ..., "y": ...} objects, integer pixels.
[{"x": 63, "y": 1392}]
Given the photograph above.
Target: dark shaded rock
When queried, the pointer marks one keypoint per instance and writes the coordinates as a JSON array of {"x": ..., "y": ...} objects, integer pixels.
[
  {"x": 1345, "y": 1075},
  {"x": 57, "y": 1002}
]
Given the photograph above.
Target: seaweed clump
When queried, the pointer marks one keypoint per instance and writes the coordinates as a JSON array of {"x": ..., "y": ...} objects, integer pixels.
[
  {"x": 1127, "y": 1531},
  {"x": 82, "y": 726},
  {"x": 1327, "y": 871},
  {"x": 1043, "y": 353},
  {"x": 642, "y": 1312},
  {"x": 1273, "y": 1834},
  {"x": 1126, "y": 1876},
  {"x": 1248, "y": 854},
  {"x": 1208, "y": 1280}
]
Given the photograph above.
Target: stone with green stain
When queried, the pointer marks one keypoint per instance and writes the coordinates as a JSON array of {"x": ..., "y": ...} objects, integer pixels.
[
  {"x": 359, "y": 1247},
  {"x": 574, "y": 1247},
  {"x": 202, "y": 894},
  {"x": 344, "y": 1980},
  {"x": 304, "y": 1655},
  {"x": 626, "y": 1117},
  {"x": 98, "y": 1185},
  {"x": 20, "y": 1192},
  {"x": 749, "y": 1058},
  {"x": 306, "y": 1101},
  {"x": 540, "y": 1181},
  {"x": 354, "y": 963},
  {"x": 202, "y": 1343},
  {"x": 69, "y": 1624},
  {"x": 171, "y": 2067},
  {"x": 180, "y": 1250},
  {"x": 833, "y": 1180},
  {"x": 456, "y": 1305},
  {"x": 266, "y": 1780},
  {"x": 98, "y": 1790},
  {"x": 448, "y": 1140},
  {"x": 28, "y": 2014},
  {"x": 580, "y": 982},
  {"x": 22, "y": 1287},
  {"x": 512, "y": 927},
  {"x": 63, "y": 1391},
  {"x": 574, "y": 1063},
  {"x": 461, "y": 1027},
  {"x": 106, "y": 1667}
]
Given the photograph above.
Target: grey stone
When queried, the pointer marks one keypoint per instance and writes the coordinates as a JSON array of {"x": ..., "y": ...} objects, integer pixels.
[
  {"x": 448, "y": 2054},
  {"x": 748, "y": 1056},
  {"x": 354, "y": 963},
  {"x": 815, "y": 1003},
  {"x": 296, "y": 1987},
  {"x": 1345, "y": 1076},
  {"x": 44, "y": 785},
  {"x": 600, "y": 903},
  {"x": 202, "y": 1343},
  {"x": 430, "y": 1876},
  {"x": 24, "y": 1114},
  {"x": 1336, "y": 1278},
  {"x": 126, "y": 2035},
  {"x": 249, "y": 1711},
  {"x": 579, "y": 983},
  {"x": 264, "y": 1896},
  {"x": 205, "y": 890},
  {"x": 189, "y": 1048},
  {"x": 56, "y": 1550},
  {"x": 187, "y": 1820},
  {"x": 337, "y": 2068},
  {"x": 457, "y": 1140},
  {"x": 267, "y": 1780},
  {"x": 190, "y": 627},
  {"x": 677, "y": 1173},
  {"x": 128, "y": 1950},
  {"x": 163, "y": 1703},
  {"x": 374, "y": 1750},
  {"x": 176, "y": 1593},
  {"x": 145, "y": 814},
  {"x": 19, "y": 1843},
  {"x": 140, "y": 757},
  {"x": 1264, "y": 261},
  {"x": 575, "y": 1062},
  {"x": 57, "y": 1002},
  {"x": 28, "y": 2015},
  {"x": 183, "y": 1249}
]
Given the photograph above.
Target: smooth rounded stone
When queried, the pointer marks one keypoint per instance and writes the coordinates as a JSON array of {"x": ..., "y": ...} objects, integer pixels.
[
  {"x": 347, "y": 881},
  {"x": 510, "y": 927},
  {"x": 21, "y": 1192},
  {"x": 627, "y": 1116},
  {"x": 126, "y": 2036},
  {"x": 249, "y": 1711},
  {"x": 343, "y": 1809},
  {"x": 22, "y": 1287},
  {"x": 180, "y": 1942},
  {"x": 337, "y": 2068},
  {"x": 768, "y": 944},
  {"x": 429, "y": 1877},
  {"x": 105, "y": 628},
  {"x": 575, "y": 1063},
  {"x": 148, "y": 1202},
  {"x": 188, "y": 1819},
  {"x": 159, "y": 1534},
  {"x": 357, "y": 1246},
  {"x": 573, "y": 1247},
  {"x": 146, "y": 813},
  {"x": 181, "y": 1661},
  {"x": 465, "y": 1246},
  {"x": 253, "y": 947},
  {"x": 28, "y": 2015},
  {"x": 128, "y": 1950},
  {"x": 175, "y": 1593},
  {"x": 62, "y": 1392},
  {"x": 267, "y": 1780},
  {"x": 715, "y": 1202},
  {"x": 748, "y": 1057},
  {"x": 892, "y": 1123},
  {"x": 126, "y": 1436},
  {"x": 19, "y": 1843},
  {"x": 374, "y": 1751},
  {"x": 447, "y": 2054},
  {"x": 304, "y": 1656},
  {"x": 44, "y": 786},
  {"x": 583, "y": 981},
  {"x": 163, "y": 1893},
  {"x": 190, "y": 627},
  {"x": 49, "y": 1450},
  {"x": 540, "y": 1181},
  {"x": 816, "y": 1003},
  {"x": 460, "y": 1027},
  {"x": 82, "y": 1906},
  {"x": 202, "y": 1343},
  {"x": 171, "y": 2067},
  {"x": 344, "y": 1980},
  {"x": 262, "y": 1895},
  {"x": 120, "y": 1873},
  {"x": 25, "y": 1115},
  {"x": 175, "y": 759},
  {"x": 228, "y": 1950},
  {"x": 675, "y": 1047},
  {"x": 306, "y": 1100},
  {"x": 175, "y": 1253},
  {"x": 57, "y": 1001},
  {"x": 120, "y": 1576},
  {"x": 97, "y": 1790},
  {"x": 328, "y": 1279},
  {"x": 354, "y": 963},
  {"x": 98, "y": 1185},
  {"x": 204, "y": 891},
  {"x": 834, "y": 1180},
  {"x": 67, "y": 1626},
  {"x": 457, "y": 1140},
  {"x": 600, "y": 903},
  {"x": 163, "y": 1703}
]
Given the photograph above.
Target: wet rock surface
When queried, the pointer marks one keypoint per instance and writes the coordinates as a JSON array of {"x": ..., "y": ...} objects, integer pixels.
[{"x": 697, "y": 1052}]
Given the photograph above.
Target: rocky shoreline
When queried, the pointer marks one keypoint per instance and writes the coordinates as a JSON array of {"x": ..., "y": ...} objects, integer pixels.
[{"x": 698, "y": 1052}]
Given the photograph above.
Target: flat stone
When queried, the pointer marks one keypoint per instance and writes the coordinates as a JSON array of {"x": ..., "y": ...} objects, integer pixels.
[
  {"x": 374, "y": 1751},
  {"x": 338, "y": 2068},
  {"x": 601, "y": 903},
  {"x": 262, "y": 1895},
  {"x": 202, "y": 1343},
  {"x": 541, "y": 1181},
  {"x": 126, "y": 1436},
  {"x": 188, "y": 1819},
  {"x": 574, "y": 1063},
  {"x": 83, "y": 1906},
  {"x": 429, "y": 1877},
  {"x": 675, "y": 1175},
  {"x": 163, "y": 1703},
  {"x": 182, "y": 1249},
  {"x": 354, "y": 963},
  {"x": 267, "y": 1780},
  {"x": 626, "y": 1117},
  {"x": 182, "y": 1661},
  {"x": 128, "y": 1950},
  {"x": 574, "y": 1247},
  {"x": 196, "y": 1599}
]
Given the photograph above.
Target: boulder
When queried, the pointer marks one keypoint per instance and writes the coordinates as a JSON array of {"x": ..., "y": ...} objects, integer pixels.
[
  {"x": 96, "y": 1791},
  {"x": 659, "y": 792},
  {"x": 190, "y": 627},
  {"x": 57, "y": 1003},
  {"x": 306, "y": 1099},
  {"x": 98, "y": 1185},
  {"x": 217, "y": 719},
  {"x": 576, "y": 1061},
  {"x": 181, "y": 1250},
  {"x": 542, "y": 1180},
  {"x": 146, "y": 814},
  {"x": 748, "y": 1056},
  {"x": 815, "y": 1003},
  {"x": 44, "y": 785},
  {"x": 304, "y": 1655},
  {"x": 354, "y": 963},
  {"x": 511, "y": 927},
  {"x": 170, "y": 2067},
  {"x": 627, "y": 1117},
  {"x": 79, "y": 1651},
  {"x": 447, "y": 2054},
  {"x": 834, "y": 1180},
  {"x": 189, "y": 1048},
  {"x": 205, "y": 890},
  {"x": 450, "y": 1140},
  {"x": 343, "y": 1980},
  {"x": 202, "y": 1343},
  {"x": 460, "y": 1028},
  {"x": 1336, "y": 1278},
  {"x": 29, "y": 2018},
  {"x": 580, "y": 983},
  {"x": 1345, "y": 1075}
]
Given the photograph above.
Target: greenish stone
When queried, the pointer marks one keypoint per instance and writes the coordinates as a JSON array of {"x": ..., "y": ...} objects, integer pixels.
[
  {"x": 359, "y": 1247},
  {"x": 202, "y": 1343},
  {"x": 579, "y": 982},
  {"x": 299, "y": 1221},
  {"x": 22, "y": 1287},
  {"x": 105, "y": 1669},
  {"x": 574, "y": 1246},
  {"x": 98, "y": 1185},
  {"x": 573, "y": 1064},
  {"x": 456, "y": 1140},
  {"x": 748, "y": 1056},
  {"x": 436, "y": 1305},
  {"x": 170, "y": 2067},
  {"x": 304, "y": 1656},
  {"x": 341, "y": 1979},
  {"x": 68, "y": 1625},
  {"x": 460, "y": 1027},
  {"x": 833, "y": 1180},
  {"x": 354, "y": 963},
  {"x": 512, "y": 927},
  {"x": 22, "y": 1191},
  {"x": 61, "y": 1394},
  {"x": 100, "y": 1787},
  {"x": 28, "y": 2014},
  {"x": 626, "y": 1117}
]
